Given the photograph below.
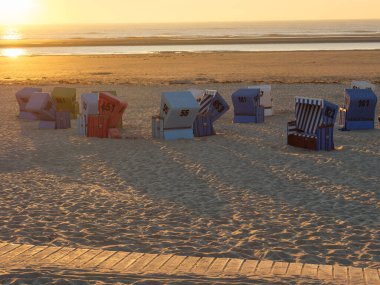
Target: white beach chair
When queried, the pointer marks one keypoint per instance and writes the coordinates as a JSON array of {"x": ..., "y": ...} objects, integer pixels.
[{"x": 88, "y": 105}]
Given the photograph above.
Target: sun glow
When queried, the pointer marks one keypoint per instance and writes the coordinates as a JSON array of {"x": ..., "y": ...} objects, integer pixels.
[
  {"x": 12, "y": 52},
  {"x": 16, "y": 11}
]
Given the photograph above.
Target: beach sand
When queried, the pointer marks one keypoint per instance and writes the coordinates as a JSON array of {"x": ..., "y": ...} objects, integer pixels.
[{"x": 242, "y": 193}]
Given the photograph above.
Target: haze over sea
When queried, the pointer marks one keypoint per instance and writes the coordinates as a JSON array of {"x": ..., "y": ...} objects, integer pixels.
[{"x": 190, "y": 37}]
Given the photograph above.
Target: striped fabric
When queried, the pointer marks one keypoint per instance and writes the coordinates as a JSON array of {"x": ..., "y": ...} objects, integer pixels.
[
  {"x": 206, "y": 101},
  {"x": 308, "y": 114}
]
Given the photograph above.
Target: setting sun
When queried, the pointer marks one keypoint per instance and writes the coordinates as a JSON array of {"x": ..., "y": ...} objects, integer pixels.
[{"x": 15, "y": 11}]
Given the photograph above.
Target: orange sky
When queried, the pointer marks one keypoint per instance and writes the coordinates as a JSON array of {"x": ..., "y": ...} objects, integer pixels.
[{"x": 148, "y": 11}]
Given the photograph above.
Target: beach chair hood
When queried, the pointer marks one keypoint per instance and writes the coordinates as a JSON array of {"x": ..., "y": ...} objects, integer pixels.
[
  {"x": 178, "y": 109},
  {"x": 245, "y": 101},
  {"x": 360, "y": 104}
]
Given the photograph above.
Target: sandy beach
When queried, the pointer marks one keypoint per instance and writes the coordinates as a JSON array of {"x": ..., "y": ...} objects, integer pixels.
[{"x": 242, "y": 193}]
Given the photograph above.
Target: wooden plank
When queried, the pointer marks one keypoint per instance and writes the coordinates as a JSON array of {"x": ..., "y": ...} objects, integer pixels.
[
  {"x": 325, "y": 272},
  {"x": 129, "y": 260},
  {"x": 42, "y": 254},
  {"x": 67, "y": 259},
  {"x": 187, "y": 264},
  {"x": 217, "y": 267},
  {"x": 13, "y": 253},
  {"x": 99, "y": 258},
  {"x": 113, "y": 260},
  {"x": 9, "y": 247},
  {"x": 309, "y": 270},
  {"x": 280, "y": 268},
  {"x": 86, "y": 257},
  {"x": 57, "y": 255},
  {"x": 294, "y": 269},
  {"x": 172, "y": 264},
  {"x": 356, "y": 275},
  {"x": 233, "y": 266},
  {"x": 27, "y": 254},
  {"x": 2, "y": 244},
  {"x": 202, "y": 265},
  {"x": 156, "y": 264},
  {"x": 249, "y": 267},
  {"x": 139, "y": 265},
  {"x": 371, "y": 276},
  {"x": 340, "y": 273},
  {"x": 264, "y": 267}
]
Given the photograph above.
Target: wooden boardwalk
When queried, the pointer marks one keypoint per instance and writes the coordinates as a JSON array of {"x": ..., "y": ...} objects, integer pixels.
[{"x": 20, "y": 256}]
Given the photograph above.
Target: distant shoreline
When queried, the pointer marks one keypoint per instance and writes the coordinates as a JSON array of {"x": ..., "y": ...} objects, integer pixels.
[{"x": 157, "y": 41}]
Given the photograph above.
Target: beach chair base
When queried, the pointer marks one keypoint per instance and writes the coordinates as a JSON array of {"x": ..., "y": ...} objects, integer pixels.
[
  {"x": 97, "y": 126},
  {"x": 178, "y": 134},
  {"x": 62, "y": 120},
  {"x": 248, "y": 119},
  {"x": 28, "y": 116},
  {"x": 81, "y": 125},
  {"x": 358, "y": 125},
  {"x": 203, "y": 126},
  {"x": 114, "y": 133},
  {"x": 303, "y": 142},
  {"x": 47, "y": 125}
]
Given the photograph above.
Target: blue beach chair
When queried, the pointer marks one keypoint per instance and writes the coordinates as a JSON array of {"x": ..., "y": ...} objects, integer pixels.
[
  {"x": 359, "y": 110},
  {"x": 177, "y": 114},
  {"x": 247, "y": 107},
  {"x": 212, "y": 107},
  {"x": 313, "y": 127}
]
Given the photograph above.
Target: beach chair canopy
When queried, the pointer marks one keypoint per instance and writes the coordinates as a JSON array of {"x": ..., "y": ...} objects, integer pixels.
[
  {"x": 312, "y": 113},
  {"x": 213, "y": 105},
  {"x": 23, "y": 95},
  {"x": 43, "y": 105},
  {"x": 360, "y": 104},
  {"x": 89, "y": 104},
  {"x": 178, "y": 109},
  {"x": 113, "y": 107},
  {"x": 245, "y": 101},
  {"x": 65, "y": 99}
]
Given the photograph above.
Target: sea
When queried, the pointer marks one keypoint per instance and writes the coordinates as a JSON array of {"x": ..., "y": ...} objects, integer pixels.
[{"x": 269, "y": 30}]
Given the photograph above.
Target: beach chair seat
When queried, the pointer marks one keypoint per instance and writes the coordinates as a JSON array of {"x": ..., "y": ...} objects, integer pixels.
[
  {"x": 247, "y": 107},
  {"x": 42, "y": 105},
  {"x": 63, "y": 120},
  {"x": 65, "y": 100},
  {"x": 211, "y": 107},
  {"x": 313, "y": 127},
  {"x": 266, "y": 99},
  {"x": 22, "y": 97},
  {"x": 358, "y": 112},
  {"x": 47, "y": 125},
  {"x": 97, "y": 126},
  {"x": 177, "y": 114},
  {"x": 112, "y": 107}
]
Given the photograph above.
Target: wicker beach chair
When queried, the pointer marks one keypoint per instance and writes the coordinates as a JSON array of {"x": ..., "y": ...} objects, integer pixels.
[
  {"x": 212, "y": 107},
  {"x": 313, "y": 127},
  {"x": 247, "y": 106},
  {"x": 22, "y": 97},
  {"x": 65, "y": 100},
  {"x": 358, "y": 112},
  {"x": 266, "y": 99},
  {"x": 177, "y": 114}
]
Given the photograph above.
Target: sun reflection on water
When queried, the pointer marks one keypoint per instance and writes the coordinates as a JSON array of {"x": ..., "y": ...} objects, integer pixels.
[{"x": 12, "y": 52}]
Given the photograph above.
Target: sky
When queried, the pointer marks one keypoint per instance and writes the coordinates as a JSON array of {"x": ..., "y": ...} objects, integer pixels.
[{"x": 167, "y": 11}]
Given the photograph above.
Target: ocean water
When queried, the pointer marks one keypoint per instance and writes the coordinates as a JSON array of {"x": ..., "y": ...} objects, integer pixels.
[{"x": 357, "y": 28}]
